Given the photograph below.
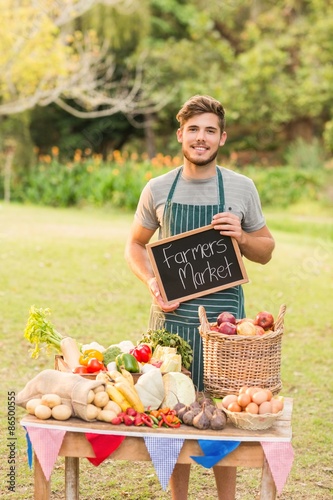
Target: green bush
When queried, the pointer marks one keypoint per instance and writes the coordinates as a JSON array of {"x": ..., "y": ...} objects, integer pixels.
[
  {"x": 305, "y": 155},
  {"x": 119, "y": 181},
  {"x": 284, "y": 186}
]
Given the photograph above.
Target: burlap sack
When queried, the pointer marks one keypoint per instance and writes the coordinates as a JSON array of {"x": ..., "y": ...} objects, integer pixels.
[{"x": 72, "y": 388}]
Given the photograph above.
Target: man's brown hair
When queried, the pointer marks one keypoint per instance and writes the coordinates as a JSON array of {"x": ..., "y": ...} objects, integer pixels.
[{"x": 199, "y": 104}]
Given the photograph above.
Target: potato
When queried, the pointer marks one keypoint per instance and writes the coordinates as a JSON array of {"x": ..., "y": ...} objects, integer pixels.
[
  {"x": 31, "y": 405},
  {"x": 43, "y": 412},
  {"x": 106, "y": 415},
  {"x": 100, "y": 388},
  {"x": 92, "y": 412},
  {"x": 51, "y": 400},
  {"x": 61, "y": 412},
  {"x": 91, "y": 396},
  {"x": 101, "y": 399},
  {"x": 113, "y": 406}
]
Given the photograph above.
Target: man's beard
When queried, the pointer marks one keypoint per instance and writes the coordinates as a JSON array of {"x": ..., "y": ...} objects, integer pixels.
[{"x": 199, "y": 162}]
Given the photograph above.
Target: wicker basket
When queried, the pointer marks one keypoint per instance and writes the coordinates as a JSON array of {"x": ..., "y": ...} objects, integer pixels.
[
  {"x": 250, "y": 422},
  {"x": 232, "y": 361}
]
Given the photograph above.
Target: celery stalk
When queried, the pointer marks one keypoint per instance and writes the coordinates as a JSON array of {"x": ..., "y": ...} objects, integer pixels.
[{"x": 39, "y": 331}]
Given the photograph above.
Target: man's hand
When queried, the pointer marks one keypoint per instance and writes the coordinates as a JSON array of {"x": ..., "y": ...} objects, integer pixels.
[
  {"x": 228, "y": 224},
  {"x": 155, "y": 291},
  {"x": 256, "y": 246}
]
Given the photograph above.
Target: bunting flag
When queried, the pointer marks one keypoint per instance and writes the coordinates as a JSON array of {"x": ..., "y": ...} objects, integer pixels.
[
  {"x": 103, "y": 446},
  {"x": 47, "y": 455},
  {"x": 280, "y": 457},
  {"x": 164, "y": 455},
  {"x": 29, "y": 448},
  {"x": 214, "y": 451}
]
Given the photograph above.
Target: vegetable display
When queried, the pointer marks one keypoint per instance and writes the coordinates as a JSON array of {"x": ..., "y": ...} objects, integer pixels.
[{"x": 142, "y": 384}]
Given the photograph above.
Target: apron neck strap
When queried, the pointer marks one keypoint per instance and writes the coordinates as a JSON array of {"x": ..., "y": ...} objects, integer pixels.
[
  {"x": 220, "y": 186},
  {"x": 173, "y": 187},
  {"x": 219, "y": 183}
]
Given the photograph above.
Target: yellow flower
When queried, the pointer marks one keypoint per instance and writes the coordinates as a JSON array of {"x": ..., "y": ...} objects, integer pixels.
[{"x": 55, "y": 150}]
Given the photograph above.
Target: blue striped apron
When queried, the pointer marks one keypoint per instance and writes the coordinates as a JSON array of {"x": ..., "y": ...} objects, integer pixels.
[{"x": 178, "y": 218}]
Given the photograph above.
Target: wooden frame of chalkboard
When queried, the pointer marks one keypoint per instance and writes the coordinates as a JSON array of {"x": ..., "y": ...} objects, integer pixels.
[{"x": 196, "y": 263}]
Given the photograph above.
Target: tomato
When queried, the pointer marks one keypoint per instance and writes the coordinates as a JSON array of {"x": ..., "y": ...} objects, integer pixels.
[
  {"x": 94, "y": 365},
  {"x": 142, "y": 353},
  {"x": 80, "y": 369}
]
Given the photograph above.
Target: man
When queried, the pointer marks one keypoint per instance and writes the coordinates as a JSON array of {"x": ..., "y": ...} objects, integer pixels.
[{"x": 191, "y": 196}]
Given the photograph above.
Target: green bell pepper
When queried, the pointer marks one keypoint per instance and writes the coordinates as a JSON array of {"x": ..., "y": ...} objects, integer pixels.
[{"x": 127, "y": 361}]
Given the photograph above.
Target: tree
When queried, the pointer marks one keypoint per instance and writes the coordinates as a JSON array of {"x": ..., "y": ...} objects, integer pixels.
[
  {"x": 43, "y": 60},
  {"x": 269, "y": 62}
]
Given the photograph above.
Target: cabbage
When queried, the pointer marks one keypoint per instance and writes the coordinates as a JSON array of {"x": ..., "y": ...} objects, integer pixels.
[
  {"x": 171, "y": 363},
  {"x": 150, "y": 389},
  {"x": 178, "y": 388}
]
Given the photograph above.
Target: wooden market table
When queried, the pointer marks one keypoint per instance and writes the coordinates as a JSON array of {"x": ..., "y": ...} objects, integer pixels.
[{"x": 75, "y": 446}]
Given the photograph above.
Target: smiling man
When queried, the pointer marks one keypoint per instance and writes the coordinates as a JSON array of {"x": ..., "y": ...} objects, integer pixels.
[{"x": 196, "y": 194}]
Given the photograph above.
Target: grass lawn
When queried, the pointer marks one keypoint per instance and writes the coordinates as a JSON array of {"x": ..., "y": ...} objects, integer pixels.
[{"x": 72, "y": 262}]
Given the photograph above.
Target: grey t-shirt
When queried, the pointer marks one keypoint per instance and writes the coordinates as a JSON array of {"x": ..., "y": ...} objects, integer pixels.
[{"x": 240, "y": 194}]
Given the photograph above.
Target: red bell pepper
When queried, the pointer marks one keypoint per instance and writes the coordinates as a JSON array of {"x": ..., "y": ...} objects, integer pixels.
[{"x": 142, "y": 353}]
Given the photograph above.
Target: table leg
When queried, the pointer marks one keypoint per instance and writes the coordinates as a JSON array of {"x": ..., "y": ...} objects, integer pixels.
[
  {"x": 42, "y": 487},
  {"x": 72, "y": 466},
  {"x": 268, "y": 488}
]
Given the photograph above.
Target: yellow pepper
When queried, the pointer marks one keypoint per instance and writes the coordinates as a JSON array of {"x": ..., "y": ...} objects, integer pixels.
[{"x": 89, "y": 354}]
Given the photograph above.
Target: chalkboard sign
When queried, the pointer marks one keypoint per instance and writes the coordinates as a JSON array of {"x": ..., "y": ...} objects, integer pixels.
[{"x": 196, "y": 263}]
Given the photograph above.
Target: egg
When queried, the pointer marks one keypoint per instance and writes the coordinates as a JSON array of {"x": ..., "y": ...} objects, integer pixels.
[
  {"x": 277, "y": 405},
  {"x": 252, "y": 408},
  {"x": 265, "y": 407},
  {"x": 234, "y": 407},
  {"x": 230, "y": 398},
  {"x": 243, "y": 389},
  {"x": 252, "y": 390},
  {"x": 270, "y": 394},
  {"x": 260, "y": 397},
  {"x": 243, "y": 400}
]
